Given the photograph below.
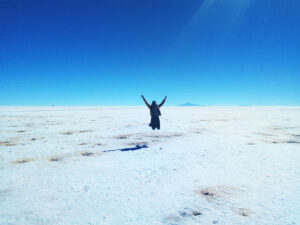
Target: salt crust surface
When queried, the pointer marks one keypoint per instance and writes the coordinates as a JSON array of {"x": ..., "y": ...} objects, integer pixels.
[{"x": 207, "y": 165}]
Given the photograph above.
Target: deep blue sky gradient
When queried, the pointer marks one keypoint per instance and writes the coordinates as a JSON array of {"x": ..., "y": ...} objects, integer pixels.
[{"x": 96, "y": 52}]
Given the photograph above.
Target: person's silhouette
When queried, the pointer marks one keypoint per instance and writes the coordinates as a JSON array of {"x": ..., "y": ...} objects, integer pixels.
[{"x": 154, "y": 112}]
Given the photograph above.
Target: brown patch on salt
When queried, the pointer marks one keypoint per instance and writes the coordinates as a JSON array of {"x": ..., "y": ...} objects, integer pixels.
[
  {"x": 170, "y": 135},
  {"x": 196, "y": 213},
  {"x": 68, "y": 156},
  {"x": 20, "y": 131},
  {"x": 292, "y": 142},
  {"x": 274, "y": 141},
  {"x": 87, "y": 153},
  {"x": 85, "y": 131},
  {"x": 218, "y": 192},
  {"x": 55, "y": 159},
  {"x": 63, "y": 156},
  {"x": 22, "y": 161},
  {"x": 198, "y": 131},
  {"x": 7, "y": 143},
  {"x": 141, "y": 136},
  {"x": 37, "y": 138},
  {"x": 123, "y": 136},
  {"x": 67, "y": 133},
  {"x": 138, "y": 143},
  {"x": 265, "y": 134},
  {"x": 283, "y": 128},
  {"x": 216, "y": 120},
  {"x": 182, "y": 215},
  {"x": 209, "y": 193},
  {"x": 242, "y": 211}
]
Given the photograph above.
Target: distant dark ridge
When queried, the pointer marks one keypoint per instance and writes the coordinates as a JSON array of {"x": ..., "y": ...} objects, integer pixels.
[{"x": 189, "y": 104}]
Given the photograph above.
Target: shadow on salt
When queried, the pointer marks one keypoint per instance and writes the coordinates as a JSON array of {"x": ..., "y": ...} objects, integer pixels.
[{"x": 137, "y": 147}]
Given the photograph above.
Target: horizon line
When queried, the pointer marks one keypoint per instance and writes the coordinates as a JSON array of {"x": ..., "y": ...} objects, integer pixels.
[{"x": 145, "y": 105}]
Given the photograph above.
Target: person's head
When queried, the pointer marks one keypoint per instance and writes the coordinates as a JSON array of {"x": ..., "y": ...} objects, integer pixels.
[{"x": 153, "y": 104}]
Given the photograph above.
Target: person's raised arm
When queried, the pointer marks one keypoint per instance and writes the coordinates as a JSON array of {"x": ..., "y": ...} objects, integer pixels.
[
  {"x": 145, "y": 101},
  {"x": 161, "y": 104}
]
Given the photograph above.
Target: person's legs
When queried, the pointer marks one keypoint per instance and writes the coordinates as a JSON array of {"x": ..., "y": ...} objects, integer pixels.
[
  {"x": 152, "y": 123},
  {"x": 156, "y": 122}
]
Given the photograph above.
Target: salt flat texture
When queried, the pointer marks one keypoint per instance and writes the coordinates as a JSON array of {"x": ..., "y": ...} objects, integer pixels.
[{"x": 207, "y": 165}]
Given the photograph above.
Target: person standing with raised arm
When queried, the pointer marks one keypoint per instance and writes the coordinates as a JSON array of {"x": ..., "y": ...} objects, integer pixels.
[{"x": 154, "y": 112}]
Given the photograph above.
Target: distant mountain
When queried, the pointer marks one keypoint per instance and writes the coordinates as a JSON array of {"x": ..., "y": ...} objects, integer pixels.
[{"x": 188, "y": 104}]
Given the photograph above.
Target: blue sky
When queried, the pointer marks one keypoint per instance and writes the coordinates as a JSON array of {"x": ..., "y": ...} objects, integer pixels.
[{"x": 209, "y": 52}]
